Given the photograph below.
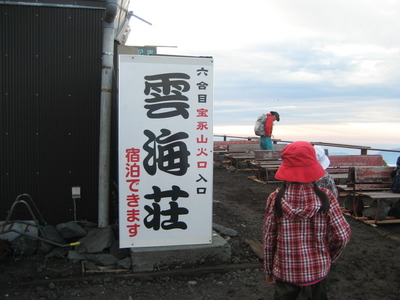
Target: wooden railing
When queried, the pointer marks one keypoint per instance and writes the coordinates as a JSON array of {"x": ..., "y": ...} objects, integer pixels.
[{"x": 363, "y": 149}]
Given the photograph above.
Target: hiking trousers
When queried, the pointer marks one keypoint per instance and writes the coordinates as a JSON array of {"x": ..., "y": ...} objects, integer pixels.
[
  {"x": 266, "y": 143},
  {"x": 287, "y": 291}
]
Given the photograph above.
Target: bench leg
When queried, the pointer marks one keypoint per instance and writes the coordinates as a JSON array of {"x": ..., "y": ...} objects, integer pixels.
[
  {"x": 355, "y": 205},
  {"x": 259, "y": 173},
  {"x": 377, "y": 210}
]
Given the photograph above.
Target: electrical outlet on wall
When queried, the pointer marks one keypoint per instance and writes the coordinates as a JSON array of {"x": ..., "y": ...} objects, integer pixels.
[{"x": 76, "y": 192}]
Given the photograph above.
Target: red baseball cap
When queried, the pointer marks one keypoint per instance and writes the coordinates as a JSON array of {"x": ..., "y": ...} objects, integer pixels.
[{"x": 299, "y": 163}]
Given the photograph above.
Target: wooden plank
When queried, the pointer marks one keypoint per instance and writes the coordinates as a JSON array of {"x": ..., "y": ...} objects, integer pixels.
[
  {"x": 340, "y": 176},
  {"x": 264, "y": 164},
  {"x": 338, "y": 170},
  {"x": 234, "y": 148},
  {"x": 267, "y": 162},
  {"x": 355, "y": 160},
  {"x": 267, "y": 154},
  {"x": 220, "y": 151},
  {"x": 256, "y": 246},
  {"x": 373, "y": 174},
  {"x": 249, "y": 155},
  {"x": 380, "y": 195},
  {"x": 239, "y": 156},
  {"x": 359, "y": 187},
  {"x": 150, "y": 274},
  {"x": 269, "y": 167},
  {"x": 374, "y": 223},
  {"x": 343, "y": 187},
  {"x": 257, "y": 180},
  {"x": 224, "y": 144},
  {"x": 392, "y": 221}
]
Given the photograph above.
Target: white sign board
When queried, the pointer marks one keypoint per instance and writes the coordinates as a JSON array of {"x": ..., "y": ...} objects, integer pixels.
[{"x": 165, "y": 150}]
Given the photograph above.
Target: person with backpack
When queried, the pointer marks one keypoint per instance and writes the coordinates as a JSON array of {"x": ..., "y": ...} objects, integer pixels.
[
  {"x": 304, "y": 231},
  {"x": 265, "y": 139}
]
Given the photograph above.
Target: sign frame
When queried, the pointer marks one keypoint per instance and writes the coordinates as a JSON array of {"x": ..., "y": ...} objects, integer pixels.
[{"x": 165, "y": 150}]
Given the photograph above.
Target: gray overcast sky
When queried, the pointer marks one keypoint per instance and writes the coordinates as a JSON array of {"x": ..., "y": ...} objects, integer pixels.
[{"x": 330, "y": 68}]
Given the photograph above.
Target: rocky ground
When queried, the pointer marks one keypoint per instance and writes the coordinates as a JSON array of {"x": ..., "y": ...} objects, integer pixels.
[{"x": 369, "y": 268}]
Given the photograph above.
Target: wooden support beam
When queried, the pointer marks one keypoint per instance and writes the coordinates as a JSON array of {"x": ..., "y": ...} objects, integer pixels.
[{"x": 169, "y": 273}]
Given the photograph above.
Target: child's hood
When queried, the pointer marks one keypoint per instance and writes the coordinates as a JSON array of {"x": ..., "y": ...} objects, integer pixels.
[{"x": 305, "y": 211}]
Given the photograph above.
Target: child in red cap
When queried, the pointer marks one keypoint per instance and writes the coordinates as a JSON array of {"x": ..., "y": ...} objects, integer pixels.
[{"x": 304, "y": 229}]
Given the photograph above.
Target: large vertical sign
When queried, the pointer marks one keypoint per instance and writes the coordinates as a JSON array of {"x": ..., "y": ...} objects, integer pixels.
[{"x": 165, "y": 150}]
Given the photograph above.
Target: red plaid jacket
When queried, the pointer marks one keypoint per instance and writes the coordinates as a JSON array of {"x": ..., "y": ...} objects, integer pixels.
[{"x": 300, "y": 246}]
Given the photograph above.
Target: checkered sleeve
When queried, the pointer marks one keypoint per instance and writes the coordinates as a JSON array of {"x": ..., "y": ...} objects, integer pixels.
[
  {"x": 338, "y": 230},
  {"x": 270, "y": 233}
]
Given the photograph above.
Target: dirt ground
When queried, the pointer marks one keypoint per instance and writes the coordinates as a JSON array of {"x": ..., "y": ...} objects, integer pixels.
[{"x": 369, "y": 268}]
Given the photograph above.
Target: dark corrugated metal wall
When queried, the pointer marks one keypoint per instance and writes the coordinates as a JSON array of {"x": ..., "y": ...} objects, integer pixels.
[{"x": 50, "y": 100}]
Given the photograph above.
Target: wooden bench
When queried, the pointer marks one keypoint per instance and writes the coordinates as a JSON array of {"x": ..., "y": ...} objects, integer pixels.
[
  {"x": 267, "y": 155},
  {"x": 241, "y": 152},
  {"x": 242, "y": 148},
  {"x": 221, "y": 148},
  {"x": 341, "y": 164},
  {"x": 372, "y": 184},
  {"x": 266, "y": 160},
  {"x": 219, "y": 153}
]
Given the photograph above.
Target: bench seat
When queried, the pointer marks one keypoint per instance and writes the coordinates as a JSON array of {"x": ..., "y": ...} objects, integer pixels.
[{"x": 373, "y": 183}]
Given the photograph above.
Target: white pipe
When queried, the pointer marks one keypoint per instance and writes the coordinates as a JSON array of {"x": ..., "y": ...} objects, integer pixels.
[{"x": 105, "y": 111}]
